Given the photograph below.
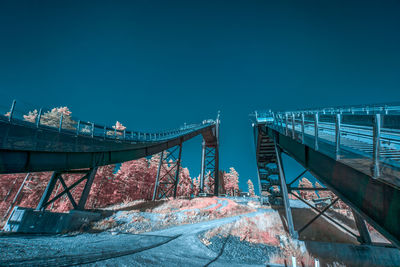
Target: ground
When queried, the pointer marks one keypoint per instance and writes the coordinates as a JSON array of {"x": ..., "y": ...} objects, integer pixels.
[{"x": 197, "y": 232}]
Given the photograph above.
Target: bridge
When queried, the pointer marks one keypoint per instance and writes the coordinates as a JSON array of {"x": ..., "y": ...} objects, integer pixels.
[
  {"x": 36, "y": 140},
  {"x": 353, "y": 151}
]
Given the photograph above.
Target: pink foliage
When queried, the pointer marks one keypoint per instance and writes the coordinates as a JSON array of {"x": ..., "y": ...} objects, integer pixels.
[
  {"x": 63, "y": 110},
  {"x": 31, "y": 116},
  {"x": 185, "y": 187},
  {"x": 118, "y": 126},
  {"x": 231, "y": 182},
  {"x": 196, "y": 185},
  {"x": 251, "y": 188}
]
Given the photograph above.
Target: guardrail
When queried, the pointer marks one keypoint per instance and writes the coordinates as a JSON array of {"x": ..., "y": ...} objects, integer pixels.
[
  {"x": 59, "y": 119},
  {"x": 361, "y": 132}
]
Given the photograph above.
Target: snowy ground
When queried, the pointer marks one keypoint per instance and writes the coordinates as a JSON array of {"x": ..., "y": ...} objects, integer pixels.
[
  {"x": 116, "y": 245},
  {"x": 199, "y": 232},
  {"x": 139, "y": 217}
]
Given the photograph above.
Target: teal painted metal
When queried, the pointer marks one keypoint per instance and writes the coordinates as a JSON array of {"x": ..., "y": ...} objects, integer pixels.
[
  {"x": 376, "y": 200},
  {"x": 31, "y": 149}
]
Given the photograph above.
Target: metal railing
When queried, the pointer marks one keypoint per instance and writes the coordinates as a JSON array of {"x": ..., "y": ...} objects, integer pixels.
[
  {"x": 59, "y": 119},
  {"x": 371, "y": 133}
]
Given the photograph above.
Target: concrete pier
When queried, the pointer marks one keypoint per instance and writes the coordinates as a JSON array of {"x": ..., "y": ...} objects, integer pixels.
[{"x": 27, "y": 220}]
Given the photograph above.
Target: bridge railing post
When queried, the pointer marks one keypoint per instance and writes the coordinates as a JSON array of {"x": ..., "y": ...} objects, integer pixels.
[
  {"x": 316, "y": 127},
  {"x": 11, "y": 110},
  {"x": 376, "y": 136},
  {"x": 286, "y": 124},
  {"x": 338, "y": 135},
  {"x": 38, "y": 118},
  {"x": 293, "y": 126},
  {"x": 61, "y": 121},
  {"x": 78, "y": 127},
  {"x": 92, "y": 129},
  {"x": 302, "y": 127}
]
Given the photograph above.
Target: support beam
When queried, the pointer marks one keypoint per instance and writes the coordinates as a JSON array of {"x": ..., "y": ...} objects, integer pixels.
[
  {"x": 47, "y": 192},
  {"x": 178, "y": 167},
  {"x": 216, "y": 160},
  {"x": 203, "y": 159},
  {"x": 158, "y": 176},
  {"x": 284, "y": 192},
  {"x": 364, "y": 237},
  {"x": 86, "y": 189}
]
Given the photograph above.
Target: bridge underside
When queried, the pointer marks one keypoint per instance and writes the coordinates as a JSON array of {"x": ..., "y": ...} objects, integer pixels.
[
  {"x": 376, "y": 201},
  {"x": 27, "y": 149}
]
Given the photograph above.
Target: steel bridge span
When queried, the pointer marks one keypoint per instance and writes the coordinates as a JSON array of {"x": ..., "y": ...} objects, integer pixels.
[
  {"x": 352, "y": 151},
  {"x": 52, "y": 140}
]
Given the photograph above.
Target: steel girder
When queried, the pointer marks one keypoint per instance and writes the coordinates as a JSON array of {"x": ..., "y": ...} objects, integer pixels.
[
  {"x": 377, "y": 202},
  {"x": 284, "y": 193},
  {"x": 167, "y": 178}
]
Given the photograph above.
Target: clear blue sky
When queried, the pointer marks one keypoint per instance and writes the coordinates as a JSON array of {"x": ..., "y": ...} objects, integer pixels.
[{"x": 156, "y": 64}]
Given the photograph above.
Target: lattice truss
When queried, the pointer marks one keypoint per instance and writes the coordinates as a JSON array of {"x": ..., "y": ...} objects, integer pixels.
[
  {"x": 50, "y": 196},
  {"x": 209, "y": 169},
  {"x": 168, "y": 173},
  {"x": 321, "y": 207}
]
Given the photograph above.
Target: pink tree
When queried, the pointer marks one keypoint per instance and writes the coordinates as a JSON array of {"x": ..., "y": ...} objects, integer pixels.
[
  {"x": 103, "y": 187},
  {"x": 9, "y": 184},
  {"x": 209, "y": 184},
  {"x": 129, "y": 176},
  {"x": 231, "y": 182},
  {"x": 196, "y": 185},
  {"x": 52, "y": 118},
  {"x": 185, "y": 183},
  {"x": 251, "y": 188}
]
